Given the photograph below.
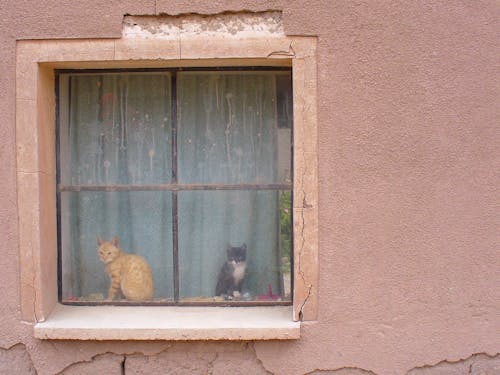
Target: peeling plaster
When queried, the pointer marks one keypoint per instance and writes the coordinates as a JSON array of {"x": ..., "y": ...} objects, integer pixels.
[
  {"x": 221, "y": 26},
  {"x": 64, "y": 353},
  {"x": 241, "y": 358}
]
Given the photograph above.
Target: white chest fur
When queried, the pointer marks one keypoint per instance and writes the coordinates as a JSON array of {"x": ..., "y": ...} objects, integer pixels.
[{"x": 239, "y": 271}]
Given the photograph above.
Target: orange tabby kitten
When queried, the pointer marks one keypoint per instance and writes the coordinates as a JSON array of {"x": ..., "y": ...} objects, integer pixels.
[{"x": 129, "y": 273}]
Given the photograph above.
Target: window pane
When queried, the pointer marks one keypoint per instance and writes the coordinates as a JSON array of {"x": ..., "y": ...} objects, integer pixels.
[
  {"x": 228, "y": 128},
  {"x": 117, "y": 129},
  {"x": 141, "y": 220},
  {"x": 284, "y": 95},
  {"x": 209, "y": 221},
  {"x": 233, "y": 127}
]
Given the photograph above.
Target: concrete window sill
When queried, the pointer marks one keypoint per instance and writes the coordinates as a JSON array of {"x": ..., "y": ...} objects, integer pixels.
[{"x": 168, "y": 323}]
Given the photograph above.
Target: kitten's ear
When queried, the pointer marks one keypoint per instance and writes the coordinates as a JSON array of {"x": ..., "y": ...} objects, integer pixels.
[
  {"x": 244, "y": 247},
  {"x": 115, "y": 241},
  {"x": 99, "y": 241}
]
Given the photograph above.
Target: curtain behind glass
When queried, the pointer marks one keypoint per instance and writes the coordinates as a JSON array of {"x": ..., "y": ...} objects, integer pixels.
[
  {"x": 227, "y": 133},
  {"x": 118, "y": 133}
]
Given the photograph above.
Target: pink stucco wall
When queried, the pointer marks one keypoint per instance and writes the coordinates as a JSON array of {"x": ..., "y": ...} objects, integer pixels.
[{"x": 409, "y": 113}]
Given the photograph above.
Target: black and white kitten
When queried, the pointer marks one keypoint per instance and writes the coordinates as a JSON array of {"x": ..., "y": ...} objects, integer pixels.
[{"x": 232, "y": 272}]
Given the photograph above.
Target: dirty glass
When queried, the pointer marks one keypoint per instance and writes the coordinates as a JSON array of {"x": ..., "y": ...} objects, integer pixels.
[
  {"x": 174, "y": 167},
  {"x": 140, "y": 219}
]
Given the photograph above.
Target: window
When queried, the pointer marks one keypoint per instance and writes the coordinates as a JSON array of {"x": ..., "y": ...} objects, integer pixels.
[
  {"x": 179, "y": 165},
  {"x": 37, "y": 61}
]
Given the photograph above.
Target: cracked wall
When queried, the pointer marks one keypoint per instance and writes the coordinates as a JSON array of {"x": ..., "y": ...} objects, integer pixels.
[
  {"x": 408, "y": 153},
  {"x": 240, "y": 358}
]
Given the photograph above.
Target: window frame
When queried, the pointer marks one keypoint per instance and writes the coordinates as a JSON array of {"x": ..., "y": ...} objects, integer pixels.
[
  {"x": 174, "y": 186},
  {"x": 35, "y": 148}
]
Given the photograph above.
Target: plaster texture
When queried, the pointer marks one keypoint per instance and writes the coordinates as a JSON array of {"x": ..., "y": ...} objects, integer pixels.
[
  {"x": 16, "y": 360},
  {"x": 408, "y": 116}
]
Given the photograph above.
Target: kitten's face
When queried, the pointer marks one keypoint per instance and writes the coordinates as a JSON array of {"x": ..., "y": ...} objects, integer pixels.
[
  {"x": 237, "y": 254},
  {"x": 108, "y": 252}
]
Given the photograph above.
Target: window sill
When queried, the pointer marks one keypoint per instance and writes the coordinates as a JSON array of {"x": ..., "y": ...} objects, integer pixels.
[{"x": 168, "y": 323}]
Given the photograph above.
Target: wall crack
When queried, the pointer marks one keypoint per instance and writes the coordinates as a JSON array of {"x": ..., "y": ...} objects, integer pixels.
[
  {"x": 93, "y": 358},
  {"x": 251, "y": 347},
  {"x": 305, "y": 206},
  {"x": 210, "y": 370},
  {"x": 474, "y": 359},
  {"x": 290, "y": 52},
  {"x": 359, "y": 371},
  {"x": 123, "y": 365}
]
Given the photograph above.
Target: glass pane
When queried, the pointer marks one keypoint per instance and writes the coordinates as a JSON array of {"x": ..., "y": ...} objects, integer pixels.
[
  {"x": 212, "y": 221},
  {"x": 142, "y": 222},
  {"x": 284, "y": 95},
  {"x": 117, "y": 129},
  {"x": 228, "y": 128}
]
